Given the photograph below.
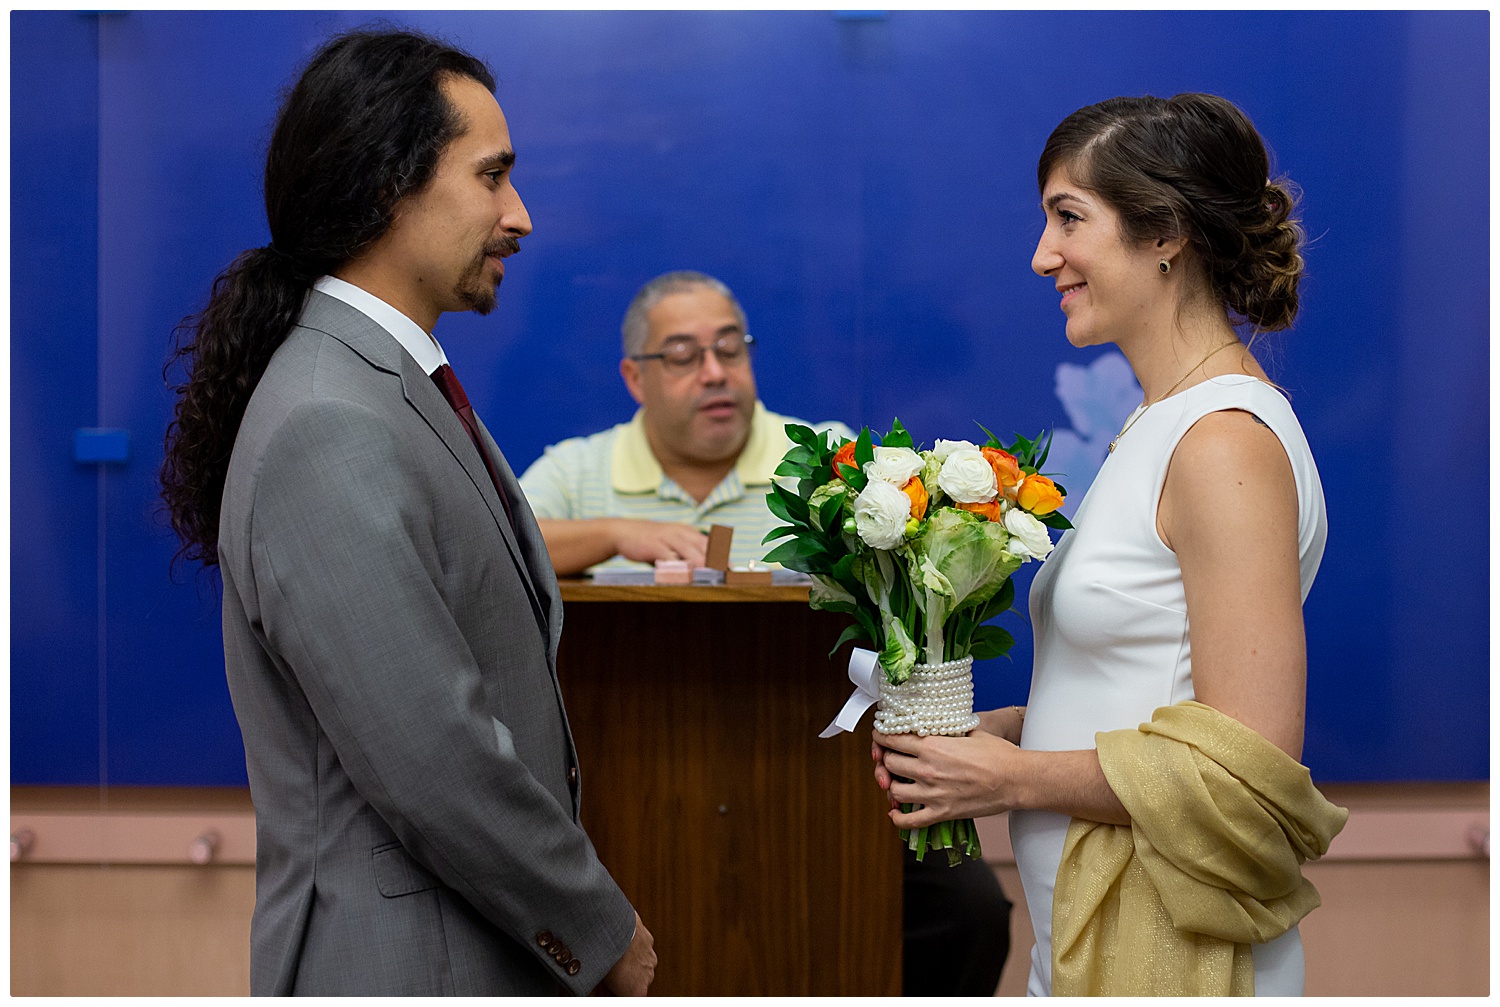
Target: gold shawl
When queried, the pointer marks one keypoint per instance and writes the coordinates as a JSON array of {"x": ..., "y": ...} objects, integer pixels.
[{"x": 1221, "y": 822}]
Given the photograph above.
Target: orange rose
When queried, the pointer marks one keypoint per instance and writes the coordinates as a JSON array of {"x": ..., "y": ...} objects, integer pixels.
[
  {"x": 1008, "y": 474},
  {"x": 845, "y": 456},
  {"x": 1039, "y": 495},
  {"x": 918, "y": 494},
  {"x": 989, "y": 511}
]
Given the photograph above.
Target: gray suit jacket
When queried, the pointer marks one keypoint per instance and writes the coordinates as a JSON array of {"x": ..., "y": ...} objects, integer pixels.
[{"x": 391, "y": 651}]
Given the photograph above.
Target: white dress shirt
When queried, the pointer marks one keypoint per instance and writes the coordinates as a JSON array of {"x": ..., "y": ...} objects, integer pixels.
[{"x": 424, "y": 349}]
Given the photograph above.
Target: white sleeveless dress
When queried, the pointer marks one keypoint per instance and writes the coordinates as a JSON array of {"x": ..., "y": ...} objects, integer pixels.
[{"x": 1111, "y": 629}]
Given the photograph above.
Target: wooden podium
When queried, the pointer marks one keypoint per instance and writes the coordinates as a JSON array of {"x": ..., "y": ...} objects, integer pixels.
[{"x": 759, "y": 855}]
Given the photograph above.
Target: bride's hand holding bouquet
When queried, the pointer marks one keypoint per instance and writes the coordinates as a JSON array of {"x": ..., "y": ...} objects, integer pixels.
[{"x": 918, "y": 547}]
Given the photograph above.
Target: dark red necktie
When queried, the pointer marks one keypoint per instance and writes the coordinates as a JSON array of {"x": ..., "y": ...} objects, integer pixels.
[{"x": 447, "y": 383}]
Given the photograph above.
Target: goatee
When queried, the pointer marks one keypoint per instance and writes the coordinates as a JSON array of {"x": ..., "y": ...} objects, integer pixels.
[{"x": 473, "y": 290}]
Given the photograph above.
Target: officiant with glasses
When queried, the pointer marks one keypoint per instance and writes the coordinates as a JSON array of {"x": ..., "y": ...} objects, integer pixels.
[{"x": 701, "y": 450}]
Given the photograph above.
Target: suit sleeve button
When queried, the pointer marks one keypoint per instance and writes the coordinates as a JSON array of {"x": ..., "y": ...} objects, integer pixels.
[
  {"x": 565, "y": 957},
  {"x": 544, "y": 938},
  {"x": 574, "y": 966}
]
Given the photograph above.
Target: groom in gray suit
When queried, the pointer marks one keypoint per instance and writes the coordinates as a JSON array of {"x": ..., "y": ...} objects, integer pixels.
[{"x": 391, "y": 619}]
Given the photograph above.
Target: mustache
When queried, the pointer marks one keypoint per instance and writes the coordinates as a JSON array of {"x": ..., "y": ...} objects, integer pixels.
[{"x": 503, "y": 247}]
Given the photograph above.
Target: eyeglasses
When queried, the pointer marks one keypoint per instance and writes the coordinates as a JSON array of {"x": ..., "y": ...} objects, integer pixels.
[{"x": 682, "y": 356}]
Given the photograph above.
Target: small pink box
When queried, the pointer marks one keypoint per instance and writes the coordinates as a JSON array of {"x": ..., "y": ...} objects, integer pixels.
[{"x": 673, "y": 571}]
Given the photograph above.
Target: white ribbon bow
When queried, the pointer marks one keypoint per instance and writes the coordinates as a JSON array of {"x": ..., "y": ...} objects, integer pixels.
[{"x": 863, "y": 666}]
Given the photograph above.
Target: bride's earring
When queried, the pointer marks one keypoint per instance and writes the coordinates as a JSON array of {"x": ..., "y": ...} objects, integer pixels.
[{"x": 1164, "y": 266}]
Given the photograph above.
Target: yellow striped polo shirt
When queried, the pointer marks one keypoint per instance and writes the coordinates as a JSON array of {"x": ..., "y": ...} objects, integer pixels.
[{"x": 614, "y": 474}]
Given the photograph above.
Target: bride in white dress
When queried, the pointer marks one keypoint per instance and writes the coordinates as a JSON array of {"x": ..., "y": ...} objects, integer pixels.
[{"x": 1163, "y": 234}]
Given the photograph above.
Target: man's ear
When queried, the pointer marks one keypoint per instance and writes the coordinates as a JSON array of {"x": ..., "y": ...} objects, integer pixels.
[{"x": 631, "y": 372}]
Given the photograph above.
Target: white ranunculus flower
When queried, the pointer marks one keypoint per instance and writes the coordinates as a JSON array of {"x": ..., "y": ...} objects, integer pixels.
[
  {"x": 1029, "y": 533},
  {"x": 880, "y": 514},
  {"x": 894, "y": 465},
  {"x": 967, "y": 477},
  {"x": 942, "y": 449}
]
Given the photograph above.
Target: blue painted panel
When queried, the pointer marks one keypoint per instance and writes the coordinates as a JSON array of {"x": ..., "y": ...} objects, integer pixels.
[
  {"x": 100, "y": 444},
  {"x": 54, "y": 649},
  {"x": 867, "y": 187}
]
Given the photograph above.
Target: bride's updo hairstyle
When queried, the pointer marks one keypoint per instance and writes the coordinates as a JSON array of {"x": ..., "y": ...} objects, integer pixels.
[{"x": 1191, "y": 166}]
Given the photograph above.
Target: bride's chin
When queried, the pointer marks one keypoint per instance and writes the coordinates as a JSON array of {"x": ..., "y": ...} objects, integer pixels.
[{"x": 1077, "y": 337}]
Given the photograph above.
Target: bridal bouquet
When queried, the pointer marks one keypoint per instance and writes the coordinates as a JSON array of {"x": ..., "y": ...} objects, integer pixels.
[{"x": 918, "y": 547}]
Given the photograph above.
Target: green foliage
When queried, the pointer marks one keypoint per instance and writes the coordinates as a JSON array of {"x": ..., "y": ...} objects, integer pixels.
[
  {"x": 990, "y": 642},
  {"x": 830, "y": 511},
  {"x": 803, "y": 435},
  {"x": 963, "y": 556},
  {"x": 1056, "y": 520},
  {"x": 855, "y": 633},
  {"x": 897, "y": 438}
]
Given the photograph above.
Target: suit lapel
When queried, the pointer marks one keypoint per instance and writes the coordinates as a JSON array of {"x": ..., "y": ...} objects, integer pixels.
[
  {"x": 425, "y": 398},
  {"x": 529, "y": 539},
  {"x": 380, "y": 349}
]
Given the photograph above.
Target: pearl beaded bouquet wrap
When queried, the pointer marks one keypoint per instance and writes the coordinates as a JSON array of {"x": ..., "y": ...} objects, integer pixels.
[{"x": 918, "y": 547}]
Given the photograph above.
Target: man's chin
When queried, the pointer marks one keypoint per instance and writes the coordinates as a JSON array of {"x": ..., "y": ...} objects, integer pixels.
[
  {"x": 722, "y": 439},
  {"x": 481, "y": 301}
]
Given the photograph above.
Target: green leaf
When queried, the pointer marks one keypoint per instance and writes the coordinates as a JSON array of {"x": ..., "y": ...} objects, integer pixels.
[
  {"x": 777, "y": 506},
  {"x": 805, "y": 554},
  {"x": 781, "y": 532},
  {"x": 899, "y": 653},
  {"x": 857, "y": 480},
  {"x": 999, "y": 603},
  {"x": 993, "y": 442},
  {"x": 788, "y": 467},
  {"x": 1025, "y": 452},
  {"x": 1056, "y": 520},
  {"x": 990, "y": 642},
  {"x": 864, "y": 451},
  {"x": 1045, "y": 448},
  {"x": 900, "y": 595},
  {"x": 801, "y": 454},
  {"x": 828, "y": 515},
  {"x": 959, "y": 628},
  {"x": 843, "y": 573},
  {"x": 802, "y": 435},
  {"x": 897, "y": 438},
  {"x": 796, "y": 507},
  {"x": 855, "y": 633}
]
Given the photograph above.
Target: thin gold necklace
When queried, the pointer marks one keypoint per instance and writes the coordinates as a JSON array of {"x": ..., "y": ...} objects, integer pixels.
[{"x": 1169, "y": 391}]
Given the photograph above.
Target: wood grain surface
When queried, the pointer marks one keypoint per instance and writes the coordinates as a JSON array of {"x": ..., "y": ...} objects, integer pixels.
[
  {"x": 759, "y": 855},
  {"x": 584, "y": 590}
]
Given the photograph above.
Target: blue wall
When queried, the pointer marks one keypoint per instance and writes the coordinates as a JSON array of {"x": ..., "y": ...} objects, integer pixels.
[{"x": 867, "y": 187}]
